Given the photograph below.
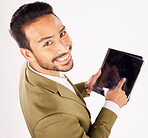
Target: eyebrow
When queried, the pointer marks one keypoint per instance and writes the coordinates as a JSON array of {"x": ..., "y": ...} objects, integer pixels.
[
  {"x": 62, "y": 29},
  {"x": 47, "y": 37}
]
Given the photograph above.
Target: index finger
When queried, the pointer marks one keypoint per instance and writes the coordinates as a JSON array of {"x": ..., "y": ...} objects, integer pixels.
[{"x": 121, "y": 83}]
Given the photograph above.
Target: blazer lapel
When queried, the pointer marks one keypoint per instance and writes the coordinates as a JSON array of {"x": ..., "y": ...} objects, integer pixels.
[
  {"x": 66, "y": 93},
  {"x": 76, "y": 90},
  {"x": 52, "y": 86}
]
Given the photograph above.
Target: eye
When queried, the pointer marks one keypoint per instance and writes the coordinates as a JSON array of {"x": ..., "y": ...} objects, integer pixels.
[
  {"x": 63, "y": 34},
  {"x": 48, "y": 43}
]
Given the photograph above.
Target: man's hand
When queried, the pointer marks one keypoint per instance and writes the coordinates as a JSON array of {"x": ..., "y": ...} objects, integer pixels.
[
  {"x": 117, "y": 95},
  {"x": 90, "y": 83}
]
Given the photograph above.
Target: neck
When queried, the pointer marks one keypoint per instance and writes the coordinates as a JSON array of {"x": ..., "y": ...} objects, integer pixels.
[{"x": 44, "y": 71}]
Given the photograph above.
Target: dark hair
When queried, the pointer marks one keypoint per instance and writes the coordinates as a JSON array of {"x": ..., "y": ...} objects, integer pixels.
[{"x": 27, "y": 14}]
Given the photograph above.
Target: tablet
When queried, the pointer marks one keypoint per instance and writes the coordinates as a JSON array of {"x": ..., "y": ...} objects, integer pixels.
[{"x": 117, "y": 65}]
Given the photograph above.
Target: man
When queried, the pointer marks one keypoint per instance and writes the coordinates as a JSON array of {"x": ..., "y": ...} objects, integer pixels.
[{"x": 52, "y": 105}]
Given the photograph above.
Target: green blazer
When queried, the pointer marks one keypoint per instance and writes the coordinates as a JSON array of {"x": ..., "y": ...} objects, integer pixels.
[{"x": 53, "y": 111}]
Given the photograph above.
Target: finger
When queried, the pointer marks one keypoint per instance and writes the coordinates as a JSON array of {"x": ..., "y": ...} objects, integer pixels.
[
  {"x": 93, "y": 79},
  {"x": 121, "y": 83},
  {"x": 97, "y": 74}
]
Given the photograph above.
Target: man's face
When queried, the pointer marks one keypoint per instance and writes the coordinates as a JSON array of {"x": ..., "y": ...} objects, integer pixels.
[{"x": 51, "y": 45}]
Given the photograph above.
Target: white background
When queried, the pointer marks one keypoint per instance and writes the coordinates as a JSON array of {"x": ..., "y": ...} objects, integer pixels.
[{"x": 94, "y": 26}]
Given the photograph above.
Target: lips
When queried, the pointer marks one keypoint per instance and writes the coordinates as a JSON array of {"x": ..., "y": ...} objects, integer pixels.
[{"x": 64, "y": 58}]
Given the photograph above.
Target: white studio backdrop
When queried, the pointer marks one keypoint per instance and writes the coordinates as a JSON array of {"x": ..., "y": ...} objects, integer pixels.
[{"x": 94, "y": 26}]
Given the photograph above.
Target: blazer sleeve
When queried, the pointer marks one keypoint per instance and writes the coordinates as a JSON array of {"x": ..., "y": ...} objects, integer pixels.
[
  {"x": 67, "y": 126},
  {"x": 82, "y": 89}
]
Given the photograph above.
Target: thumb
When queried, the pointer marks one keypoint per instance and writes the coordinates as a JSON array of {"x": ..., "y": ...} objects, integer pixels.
[
  {"x": 97, "y": 74},
  {"x": 93, "y": 79}
]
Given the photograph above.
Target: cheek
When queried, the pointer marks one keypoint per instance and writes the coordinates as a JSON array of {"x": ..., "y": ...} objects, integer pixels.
[{"x": 44, "y": 55}]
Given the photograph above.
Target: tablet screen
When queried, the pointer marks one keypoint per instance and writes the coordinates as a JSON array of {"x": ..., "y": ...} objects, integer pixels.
[{"x": 118, "y": 65}]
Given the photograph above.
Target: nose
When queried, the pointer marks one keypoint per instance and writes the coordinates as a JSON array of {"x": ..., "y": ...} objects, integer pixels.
[{"x": 62, "y": 46}]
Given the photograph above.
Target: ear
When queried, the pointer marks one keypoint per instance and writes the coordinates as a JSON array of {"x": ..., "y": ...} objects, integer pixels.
[{"x": 26, "y": 53}]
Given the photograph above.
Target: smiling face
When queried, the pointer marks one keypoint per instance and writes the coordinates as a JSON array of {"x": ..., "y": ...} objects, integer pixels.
[{"x": 51, "y": 45}]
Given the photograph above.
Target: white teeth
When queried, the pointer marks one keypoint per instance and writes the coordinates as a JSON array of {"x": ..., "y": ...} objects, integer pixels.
[{"x": 64, "y": 58}]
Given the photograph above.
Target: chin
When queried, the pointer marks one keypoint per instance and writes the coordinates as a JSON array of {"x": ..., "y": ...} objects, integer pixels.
[{"x": 68, "y": 67}]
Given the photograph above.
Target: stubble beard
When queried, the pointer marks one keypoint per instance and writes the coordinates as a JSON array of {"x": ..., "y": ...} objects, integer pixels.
[{"x": 63, "y": 68}]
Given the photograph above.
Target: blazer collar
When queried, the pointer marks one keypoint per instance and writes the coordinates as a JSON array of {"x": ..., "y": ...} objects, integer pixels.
[{"x": 52, "y": 86}]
